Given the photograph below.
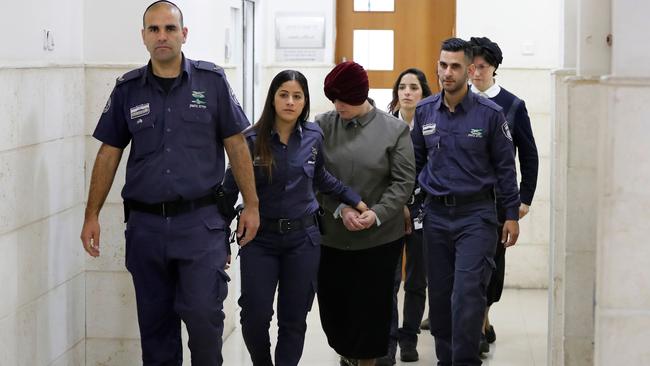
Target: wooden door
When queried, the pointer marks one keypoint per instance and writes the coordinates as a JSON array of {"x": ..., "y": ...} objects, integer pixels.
[{"x": 419, "y": 26}]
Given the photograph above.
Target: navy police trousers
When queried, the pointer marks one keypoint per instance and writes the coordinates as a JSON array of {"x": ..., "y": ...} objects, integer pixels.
[
  {"x": 415, "y": 294},
  {"x": 288, "y": 262},
  {"x": 177, "y": 264},
  {"x": 460, "y": 244}
]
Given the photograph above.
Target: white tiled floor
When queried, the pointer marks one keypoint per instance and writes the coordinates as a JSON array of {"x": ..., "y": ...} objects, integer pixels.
[{"x": 520, "y": 321}]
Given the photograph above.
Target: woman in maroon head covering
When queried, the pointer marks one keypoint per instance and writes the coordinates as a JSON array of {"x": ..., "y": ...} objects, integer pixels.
[{"x": 370, "y": 151}]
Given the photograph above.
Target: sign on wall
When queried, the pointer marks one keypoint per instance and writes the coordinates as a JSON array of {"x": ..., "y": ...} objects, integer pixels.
[{"x": 299, "y": 37}]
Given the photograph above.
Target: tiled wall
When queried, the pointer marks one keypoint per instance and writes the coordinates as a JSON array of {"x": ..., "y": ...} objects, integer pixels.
[
  {"x": 42, "y": 302},
  {"x": 527, "y": 262},
  {"x": 622, "y": 328}
]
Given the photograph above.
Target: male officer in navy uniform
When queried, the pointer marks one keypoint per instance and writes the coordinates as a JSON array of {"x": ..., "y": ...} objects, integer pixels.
[
  {"x": 463, "y": 151},
  {"x": 178, "y": 115}
]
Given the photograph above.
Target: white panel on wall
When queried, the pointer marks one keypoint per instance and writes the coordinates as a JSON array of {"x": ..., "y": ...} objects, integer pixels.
[
  {"x": 26, "y": 21},
  {"x": 366, "y": 52},
  {"x": 526, "y": 30}
]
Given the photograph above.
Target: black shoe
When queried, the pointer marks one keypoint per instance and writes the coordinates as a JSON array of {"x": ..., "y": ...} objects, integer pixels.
[
  {"x": 408, "y": 354},
  {"x": 348, "y": 362},
  {"x": 385, "y": 361},
  {"x": 425, "y": 325},
  {"x": 483, "y": 345},
  {"x": 490, "y": 335}
]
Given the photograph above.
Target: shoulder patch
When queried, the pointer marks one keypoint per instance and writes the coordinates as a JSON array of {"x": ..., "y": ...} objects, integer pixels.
[
  {"x": 430, "y": 99},
  {"x": 312, "y": 126},
  {"x": 249, "y": 132},
  {"x": 131, "y": 75},
  {"x": 506, "y": 131},
  {"x": 208, "y": 66},
  {"x": 488, "y": 103}
]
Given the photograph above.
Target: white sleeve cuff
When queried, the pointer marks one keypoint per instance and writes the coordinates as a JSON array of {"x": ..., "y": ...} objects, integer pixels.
[{"x": 337, "y": 213}]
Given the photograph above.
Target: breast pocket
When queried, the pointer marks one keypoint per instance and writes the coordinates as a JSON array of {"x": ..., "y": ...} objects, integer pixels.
[
  {"x": 473, "y": 145},
  {"x": 473, "y": 150},
  {"x": 198, "y": 128},
  {"x": 432, "y": 142},
  {"x": 146, "y": 136}
]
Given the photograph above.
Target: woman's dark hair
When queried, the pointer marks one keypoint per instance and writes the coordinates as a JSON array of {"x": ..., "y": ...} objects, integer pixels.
[
  {"x": 424, "y": 84},
  {"x": 262, "y": 151}
]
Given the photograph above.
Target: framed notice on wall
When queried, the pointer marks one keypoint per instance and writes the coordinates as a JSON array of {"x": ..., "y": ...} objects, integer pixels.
[{"x": 299, "y": 37}]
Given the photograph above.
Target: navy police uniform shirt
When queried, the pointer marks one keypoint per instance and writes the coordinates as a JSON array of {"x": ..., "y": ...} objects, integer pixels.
[
  {"x": 176, "y": 138},
  {"x": 298, "y": 170},
  {"x": 465, "y": 152}
]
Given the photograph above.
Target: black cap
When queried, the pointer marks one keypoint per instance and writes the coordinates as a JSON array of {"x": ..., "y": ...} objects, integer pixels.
[{"x": 490, "y": 51}]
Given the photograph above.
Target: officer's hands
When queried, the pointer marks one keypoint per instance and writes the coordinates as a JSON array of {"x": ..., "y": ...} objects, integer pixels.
[
  {"x": 510, "y": 233},
  {"x": 350, "y": 218},
  {"x": 249, "y": 222},
  {"x": 408, "y": 228},
  {"x": 90, "y": 236},
  {"x": 368, "y": 218},
  {"x": 523, "y": 210},
  {"x": 227, "y": 265}
]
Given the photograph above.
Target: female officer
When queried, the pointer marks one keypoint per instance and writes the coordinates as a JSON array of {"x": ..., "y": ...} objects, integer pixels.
[
  {"x": 285, "y": 254},
  {"x": 410, "y": 87}
]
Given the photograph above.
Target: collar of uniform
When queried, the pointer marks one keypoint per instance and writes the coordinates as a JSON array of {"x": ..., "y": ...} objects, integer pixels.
[
  {"x": 468, "y": 101},
  {"x": 466, "y": 104},
  {"x": 185, "y": 69},
  {"x": 297, "y": 128},
  {"x": 363, "y": 120},
  {"x": 491, "y": 92}
]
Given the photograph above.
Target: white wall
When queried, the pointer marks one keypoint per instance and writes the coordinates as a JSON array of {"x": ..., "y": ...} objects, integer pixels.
[
  {"x": 630, "y": 56},
  {"x": 622, "y": 316},
  {"x": 42, "y": 280},
  {"x": 520, "y": 26},
  {"x": 315, "y": 72},
  {"x": 515, "y": 25},
  {"x": 112, "y": 31},
  {"x": 24, "y": 25}
]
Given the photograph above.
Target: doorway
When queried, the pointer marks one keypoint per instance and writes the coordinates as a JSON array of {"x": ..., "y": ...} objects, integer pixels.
[{"x": 388, "y": 36}]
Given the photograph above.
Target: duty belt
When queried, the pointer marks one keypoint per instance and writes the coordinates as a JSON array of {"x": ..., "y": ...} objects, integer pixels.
[
  {"x": 284, "y": 226},
  {"x": 172, "y": 208},
  {"x": 451, "y": 200}
]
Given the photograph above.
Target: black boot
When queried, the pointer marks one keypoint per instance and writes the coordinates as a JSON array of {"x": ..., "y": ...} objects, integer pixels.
[
  {"x": 490, "y": 335},
  {"x": 483, "y": 345},
  {"x": 425, "y": 324}
]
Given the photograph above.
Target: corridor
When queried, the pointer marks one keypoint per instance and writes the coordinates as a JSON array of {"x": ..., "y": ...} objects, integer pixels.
[{"x": 520, "y": 320}]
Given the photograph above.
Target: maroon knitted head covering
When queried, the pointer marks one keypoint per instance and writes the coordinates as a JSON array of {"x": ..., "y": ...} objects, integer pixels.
[{"x": 347, "y": 82}]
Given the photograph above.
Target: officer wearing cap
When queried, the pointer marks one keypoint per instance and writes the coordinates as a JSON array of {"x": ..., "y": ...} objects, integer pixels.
[
  {"x": 371, "y": 151},
  {"x": 178, "y": 114},
  {"x": 463, "y": 150},
  {"x": 487, "y": 58}
]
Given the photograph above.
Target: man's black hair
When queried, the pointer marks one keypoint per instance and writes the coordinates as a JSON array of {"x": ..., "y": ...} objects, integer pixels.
[
  {"x": 457, "y": 44},
  {"x": 160, "y": 2}
]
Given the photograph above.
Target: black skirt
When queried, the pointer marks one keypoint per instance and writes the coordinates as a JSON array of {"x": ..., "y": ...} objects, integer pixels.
[{"x": 355, "y": 298}]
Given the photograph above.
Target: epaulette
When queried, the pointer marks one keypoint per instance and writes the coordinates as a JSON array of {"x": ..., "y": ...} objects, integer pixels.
[
  {"x": 490, "y": 104},
  {"x": 208, "y": 66},
  {"x": 131, "y": 75},
  {"x": 312, "y": 126},
  {"x": 430, "y": 99},
  {"x": 250, "y": 131}
]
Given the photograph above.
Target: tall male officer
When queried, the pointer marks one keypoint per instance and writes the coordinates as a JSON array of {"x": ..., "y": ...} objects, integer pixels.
[
  {"x": 463, "y": 150},
  {"x": 178, "y": 114}
]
